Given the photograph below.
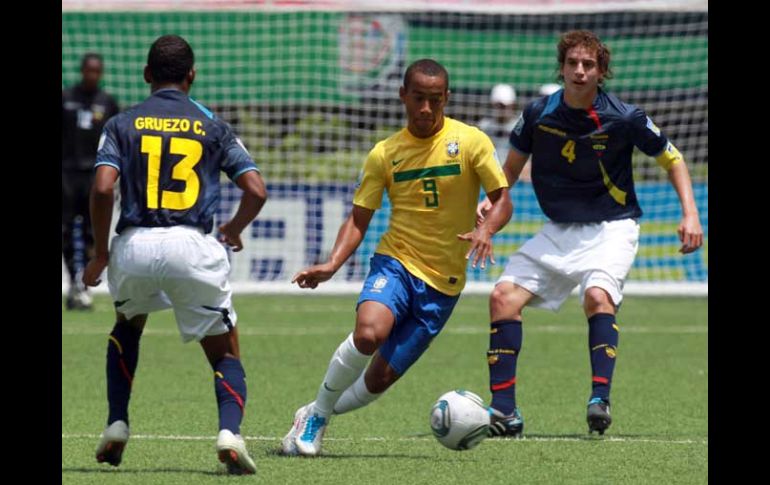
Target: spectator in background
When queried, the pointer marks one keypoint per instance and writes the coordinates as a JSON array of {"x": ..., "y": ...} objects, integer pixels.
[
  {"x": 498, "y": 126},
  {"x": 548, "y": 89},
  {"x": 85, "y": 108}
]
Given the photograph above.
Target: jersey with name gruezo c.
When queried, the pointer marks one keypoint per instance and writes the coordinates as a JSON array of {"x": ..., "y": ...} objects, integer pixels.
[
  {"x": 433, "y": 186},
  {"x": 581, "y": 159},
  {"x": 169, "y": 151}
]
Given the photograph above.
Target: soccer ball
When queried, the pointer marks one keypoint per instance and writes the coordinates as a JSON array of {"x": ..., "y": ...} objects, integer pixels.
[{"x": 459, "y": 420}]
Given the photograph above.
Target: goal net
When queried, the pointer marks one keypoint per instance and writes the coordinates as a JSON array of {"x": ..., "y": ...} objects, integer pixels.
[{"x": 311, "y": 85}]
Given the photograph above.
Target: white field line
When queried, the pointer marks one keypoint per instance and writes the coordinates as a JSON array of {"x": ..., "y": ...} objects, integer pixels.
[
  {"x": 75, "y": 436},
  {"x": 73, "y": 329}
]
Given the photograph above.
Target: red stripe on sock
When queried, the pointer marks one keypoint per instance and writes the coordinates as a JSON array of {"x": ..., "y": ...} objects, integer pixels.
[
  {"x": 125, "y": 371},
  {"x": 235, "y": 394},
  {"x": 601, "y": 380},
  {"x": 503, "y": 385}
]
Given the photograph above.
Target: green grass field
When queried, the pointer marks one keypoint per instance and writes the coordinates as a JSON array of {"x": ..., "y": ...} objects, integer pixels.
[{"x": 660, "y": 399}]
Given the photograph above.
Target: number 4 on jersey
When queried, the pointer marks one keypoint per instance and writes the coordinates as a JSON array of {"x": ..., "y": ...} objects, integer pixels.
[{"x": 568, "y": 151}]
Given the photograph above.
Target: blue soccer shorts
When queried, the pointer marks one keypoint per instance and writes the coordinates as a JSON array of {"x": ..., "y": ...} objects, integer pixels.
[{"x": 420, "y": 311}]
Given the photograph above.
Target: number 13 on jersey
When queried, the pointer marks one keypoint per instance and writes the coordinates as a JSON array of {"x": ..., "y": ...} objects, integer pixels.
[{"x": 191, "y": 150}]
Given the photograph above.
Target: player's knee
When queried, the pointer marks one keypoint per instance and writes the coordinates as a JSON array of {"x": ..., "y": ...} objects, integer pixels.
[
  {"x": 366, "y": 337},
  {"x": 504, "y": 302},
  {"x": 597, "y": 300}
]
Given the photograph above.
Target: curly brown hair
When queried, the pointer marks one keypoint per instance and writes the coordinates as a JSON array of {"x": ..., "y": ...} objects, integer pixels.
[{"x": 590, "y": 41}]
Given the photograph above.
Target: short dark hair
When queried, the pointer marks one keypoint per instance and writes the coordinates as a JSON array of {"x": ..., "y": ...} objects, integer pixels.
[
  {"x": 170, "y": 59},
  {"x": 88, "y": 56},
  {"x": 429, "y": 67}
]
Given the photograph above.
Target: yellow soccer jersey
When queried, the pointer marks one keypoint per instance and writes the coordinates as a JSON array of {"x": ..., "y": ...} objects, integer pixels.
[{"x": 433, "y": 187}]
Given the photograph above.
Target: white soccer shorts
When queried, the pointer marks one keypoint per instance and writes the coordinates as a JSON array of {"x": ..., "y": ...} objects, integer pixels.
[
  {"x": 154, "y": 268},
  {"x": 563, "y": 256}
]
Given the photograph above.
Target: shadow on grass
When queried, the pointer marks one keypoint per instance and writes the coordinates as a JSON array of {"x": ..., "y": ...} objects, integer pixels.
[{"x": 354, "y": 456}]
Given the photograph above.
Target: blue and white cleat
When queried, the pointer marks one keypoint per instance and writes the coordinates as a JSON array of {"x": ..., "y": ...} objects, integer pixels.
[
  {"x": 309, "y": 440},
  {"x": 502, "y": 426},
  {"x": 288, "y": 447}
]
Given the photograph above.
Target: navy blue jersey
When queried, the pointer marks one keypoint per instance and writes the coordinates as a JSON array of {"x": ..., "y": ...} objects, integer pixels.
[
  {"x": 169, "y": 150},
  {"x": 581, "y": 159}
]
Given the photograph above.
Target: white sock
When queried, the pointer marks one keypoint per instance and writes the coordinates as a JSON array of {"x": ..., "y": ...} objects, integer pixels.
[
  {"x": 355, "y": 396},
  {"x": 346, "y": 365}
]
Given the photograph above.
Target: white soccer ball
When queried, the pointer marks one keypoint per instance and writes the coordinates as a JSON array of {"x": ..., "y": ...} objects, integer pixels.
[{"x": 459, "y": 420}]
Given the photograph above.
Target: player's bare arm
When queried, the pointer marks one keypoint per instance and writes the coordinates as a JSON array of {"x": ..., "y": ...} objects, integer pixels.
[
  {"x": 102, "y": 200},
  {"x": 252, "y": 200},
  {"x": 514, "y": 164},
  {"x": 481, "y": 238},
  {"x": 690, "y": 231},
  {"x": 350, "y": 235}
]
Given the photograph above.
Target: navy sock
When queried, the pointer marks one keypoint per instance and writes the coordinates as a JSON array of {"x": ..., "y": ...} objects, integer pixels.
[
  {"x": 603, "y": 345},
  {"x": 504, "y": 345},
  {"x": 122, "y": 357},
  {"x": 230, "y": 388}
]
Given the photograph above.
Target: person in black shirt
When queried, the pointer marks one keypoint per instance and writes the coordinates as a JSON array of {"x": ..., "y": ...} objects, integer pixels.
[{"x": 85, "y": 110}]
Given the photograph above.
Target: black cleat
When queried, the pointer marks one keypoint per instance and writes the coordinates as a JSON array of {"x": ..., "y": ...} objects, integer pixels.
[
  {"x": 505, "y": 426},
  {"x": 598, "y": 415}
]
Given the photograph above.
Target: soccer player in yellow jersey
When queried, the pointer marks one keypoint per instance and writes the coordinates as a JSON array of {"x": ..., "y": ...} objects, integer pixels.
[{"x": 432, "y": 170}]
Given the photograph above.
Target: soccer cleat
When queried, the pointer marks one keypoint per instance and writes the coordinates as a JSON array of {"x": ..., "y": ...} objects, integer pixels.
[
  {"x": 598, "y": 415},
  {"x": 79, "y": 299},
  {"x": 231, "y": 450},
  {"x": 112, "y": 442},
  {"x": 311, "y": 433},
  {"x": 288, "y": 447},
  {"x": 501, "y": 425}
]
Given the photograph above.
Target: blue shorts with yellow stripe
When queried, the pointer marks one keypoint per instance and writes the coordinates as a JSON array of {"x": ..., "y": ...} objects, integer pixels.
[{"x": 420, "y": 311}]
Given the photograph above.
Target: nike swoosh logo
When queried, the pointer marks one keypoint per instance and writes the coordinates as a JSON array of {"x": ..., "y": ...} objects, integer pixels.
[
  {"x": 328, "y": 388},
  {"x": 396, "y": 162}
]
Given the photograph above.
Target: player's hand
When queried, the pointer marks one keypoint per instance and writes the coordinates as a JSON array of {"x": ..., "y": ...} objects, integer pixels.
[
  {"x": 229, "y": 236},
  {"x": 94, "y": 270},
  {"x": 312, "y": 276},
  {"x": 481, "y": 246},
  {"x": 481, "y": 210},
  {"x": 690, "y": 234}
]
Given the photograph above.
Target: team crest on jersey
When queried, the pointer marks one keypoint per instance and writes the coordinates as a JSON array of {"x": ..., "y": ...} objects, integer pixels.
[
  {"x": 380, "y": 283},
  {"x": 453, "y": 148},
  {"x": 651, "y": 126}
]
